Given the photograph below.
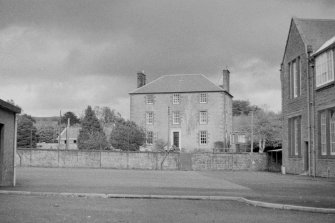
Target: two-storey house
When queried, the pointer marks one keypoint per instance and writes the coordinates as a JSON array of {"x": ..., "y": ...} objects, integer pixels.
[
  {"x": 187, "y": 110},
  {"x": 308, "y": 98}
]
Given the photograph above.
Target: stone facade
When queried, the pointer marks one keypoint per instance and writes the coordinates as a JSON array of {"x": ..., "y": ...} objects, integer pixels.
[
  {"x": 219, "y": 117},
  {"x": 7, "y": 143},
  {"x": 218, "y": 127},
  {"x": 305, "y": 106}
]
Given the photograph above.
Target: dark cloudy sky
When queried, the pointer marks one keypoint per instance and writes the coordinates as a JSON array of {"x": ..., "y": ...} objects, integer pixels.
[{"x": 69, "y": 54}]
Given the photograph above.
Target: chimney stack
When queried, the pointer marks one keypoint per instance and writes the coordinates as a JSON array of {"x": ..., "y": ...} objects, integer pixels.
[
  {"x": 141, "y": 79},
  {"x": 225, "y": 80}
]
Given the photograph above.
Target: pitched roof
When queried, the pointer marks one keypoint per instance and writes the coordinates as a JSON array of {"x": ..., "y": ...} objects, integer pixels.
[
  {"x": 72, "y": 132},
  {"x": 179, "y": 83},
  {"x": 315, "y": 32},
  {"x": 325, "y": 46},
  {"x": 9, "y": 107}
]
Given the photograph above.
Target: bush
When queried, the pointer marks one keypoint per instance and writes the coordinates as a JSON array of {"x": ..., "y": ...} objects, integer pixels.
[
  {"x": 127, "y": 136},
  {"x": 160, "y": 145},
  {"x": 94, "y": 140}
]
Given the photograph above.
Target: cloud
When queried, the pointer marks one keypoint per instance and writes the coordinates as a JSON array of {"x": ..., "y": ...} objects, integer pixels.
[{"x": 68, "y": 54}]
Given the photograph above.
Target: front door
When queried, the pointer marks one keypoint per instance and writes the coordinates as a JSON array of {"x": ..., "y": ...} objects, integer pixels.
[{"x": 176, "y": 139}]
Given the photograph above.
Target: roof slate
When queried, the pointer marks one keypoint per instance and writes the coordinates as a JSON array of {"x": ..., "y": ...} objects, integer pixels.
[
  {"x": 315, "y": 32},
  {"x": 179, "y": 83}
]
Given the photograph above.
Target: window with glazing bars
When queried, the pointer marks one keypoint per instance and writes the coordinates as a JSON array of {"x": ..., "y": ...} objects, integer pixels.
[
  {"x": 150, "y": 117},
  {"x": 176, "y": 117},
  {"x": 203, "y": 97},
  {"x": 176, "y": 98},
  {"x": 203, "y": 137},
  {"x": 150, "y": 136},
  {"x": 203, "y": 117}
]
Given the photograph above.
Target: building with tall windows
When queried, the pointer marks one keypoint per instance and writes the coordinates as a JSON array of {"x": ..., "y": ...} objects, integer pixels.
[
  {"x": 187, "y": 111},
  {"x": 308, "y": 98}
]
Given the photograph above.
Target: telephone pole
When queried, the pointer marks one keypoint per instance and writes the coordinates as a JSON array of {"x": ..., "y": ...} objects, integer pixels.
[
  {"x": 67, "y": 135},
  {"x": 59, "y": 127},
  {"x": 252, "y": 132}
]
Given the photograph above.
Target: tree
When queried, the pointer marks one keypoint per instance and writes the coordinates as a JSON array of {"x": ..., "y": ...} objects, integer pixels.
[
  {"x": 267, "y": 128},
  {"x": 91, "y": 135},
  {"x": 107, "y": 116},
  {"x": 26, "y": 132},
  {"x": 46, "y": 134},
  {"x": 29, "y": 117},
  {"x": 127, "y": 136},
  {"x": 242, "y": 107},
  {"x": 70, "y": 115}
]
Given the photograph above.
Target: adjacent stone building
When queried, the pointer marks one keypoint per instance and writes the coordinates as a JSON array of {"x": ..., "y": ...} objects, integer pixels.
[
  {"x": 7, "y": 142},
  {"x": 71, "y": 133},
  {"x": 187, "y": 111},
  {"x": 308, "y": 98}
]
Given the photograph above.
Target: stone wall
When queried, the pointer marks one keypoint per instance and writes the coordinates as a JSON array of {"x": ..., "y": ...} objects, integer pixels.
[
  {"x": 138, "y": 160},
  {"x": 226, "y": 161}
]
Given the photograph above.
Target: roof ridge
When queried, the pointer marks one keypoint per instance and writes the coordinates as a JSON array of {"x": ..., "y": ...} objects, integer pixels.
[
  {"x": 180, "y": 83},
  {"x": 312, "y": 19},
  {"x": 158, "y": 79}
]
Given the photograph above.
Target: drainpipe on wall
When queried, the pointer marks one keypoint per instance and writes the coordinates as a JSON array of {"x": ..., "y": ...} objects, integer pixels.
[
  {"x": 168, "y": 125},
  {"x": 309, "y": 50},
  {"x": 311, "y": 116}
]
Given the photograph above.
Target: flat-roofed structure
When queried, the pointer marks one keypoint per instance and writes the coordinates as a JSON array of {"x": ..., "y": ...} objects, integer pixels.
[{"x": 8, "y": 130}]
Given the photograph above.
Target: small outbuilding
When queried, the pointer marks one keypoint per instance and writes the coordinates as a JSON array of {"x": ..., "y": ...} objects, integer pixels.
[{"x": 8, "y": 131}]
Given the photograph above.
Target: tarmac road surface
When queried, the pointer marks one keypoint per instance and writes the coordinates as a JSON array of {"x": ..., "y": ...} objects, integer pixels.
[{"x": 35, "y": 209}]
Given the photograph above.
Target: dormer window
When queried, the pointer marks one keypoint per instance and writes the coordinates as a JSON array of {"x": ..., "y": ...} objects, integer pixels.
[{"x": 324, "y": 68}]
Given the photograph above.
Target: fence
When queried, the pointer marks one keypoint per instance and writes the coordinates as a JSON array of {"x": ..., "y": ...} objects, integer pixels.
[{"x": 140, "y": 160}]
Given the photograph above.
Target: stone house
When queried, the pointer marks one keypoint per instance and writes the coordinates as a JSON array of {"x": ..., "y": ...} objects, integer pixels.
[
  {"x": 70, "y": 132},
  {"x": 308, "y": 98},
  {"x": 187, "y": 110},
  {"x": 8, "y": 131}
]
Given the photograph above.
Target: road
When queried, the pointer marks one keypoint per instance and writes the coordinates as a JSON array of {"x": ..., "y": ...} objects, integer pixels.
[
  {"x": 35, "y": 209},
  {"x": 263, "y": 186}
]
